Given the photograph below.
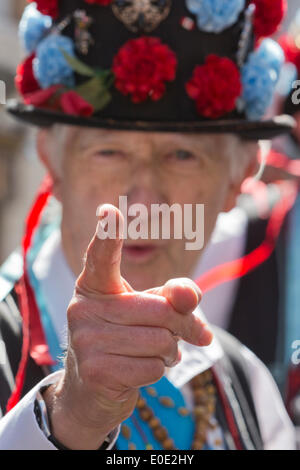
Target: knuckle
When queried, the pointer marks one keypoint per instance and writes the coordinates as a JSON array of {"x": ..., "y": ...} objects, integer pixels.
[
  {"x": 167, "y": 341},
  {"x": 80, "y": 339},
  {"x": 164, "y": 313},
  {"x": 71, "y": 311},
  {"x": 157, "y": 369},
  {"x": 75, "y": 310}
]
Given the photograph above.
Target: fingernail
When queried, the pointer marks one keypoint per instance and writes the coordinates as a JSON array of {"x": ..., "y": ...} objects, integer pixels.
[
  {"x": 111, "y": 223},
  {"x": 101, "y": 211},
  {"x": 198, "y": 292}
]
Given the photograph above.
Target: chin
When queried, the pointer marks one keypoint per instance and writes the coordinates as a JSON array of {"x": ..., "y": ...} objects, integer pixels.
[
  {"x": 143, "y": 279},
  {"x": 141, "y": 283}
]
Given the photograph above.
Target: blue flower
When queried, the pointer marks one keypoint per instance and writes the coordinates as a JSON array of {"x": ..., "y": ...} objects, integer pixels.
[
  {"x": 50, "y": 66},
  {"x": 260, "y": 76},
  {"x": 33, "y": 27},
  {"x": 214, "y": 16}
]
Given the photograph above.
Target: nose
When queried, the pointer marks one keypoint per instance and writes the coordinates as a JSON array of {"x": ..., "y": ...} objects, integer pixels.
[{"x": 146, "y": 187}]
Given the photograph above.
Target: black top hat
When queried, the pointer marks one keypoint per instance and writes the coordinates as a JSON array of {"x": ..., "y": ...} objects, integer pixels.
[{"x": 157, "y": 65}]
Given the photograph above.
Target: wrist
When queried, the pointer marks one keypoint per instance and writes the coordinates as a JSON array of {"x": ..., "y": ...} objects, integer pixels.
[{"x": 67, "y": 431}]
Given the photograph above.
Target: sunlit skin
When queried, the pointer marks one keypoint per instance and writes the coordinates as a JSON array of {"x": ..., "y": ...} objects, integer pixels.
[
  {"x": 148, "y": 168},
  {"x": 123, "y": 331}
]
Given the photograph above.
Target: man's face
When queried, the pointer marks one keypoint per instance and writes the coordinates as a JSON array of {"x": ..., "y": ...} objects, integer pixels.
[{"x": 98, "y": 166}]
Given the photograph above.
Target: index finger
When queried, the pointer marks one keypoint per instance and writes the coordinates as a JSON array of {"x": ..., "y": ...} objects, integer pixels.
[{"x": 101, "y": 273}]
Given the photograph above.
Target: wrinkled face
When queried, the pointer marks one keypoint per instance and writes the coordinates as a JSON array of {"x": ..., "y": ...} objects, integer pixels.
[{"x": 92, "y": 167}]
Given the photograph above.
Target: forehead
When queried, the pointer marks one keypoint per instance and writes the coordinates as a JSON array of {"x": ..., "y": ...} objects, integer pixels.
[{"x": 82, "y": 138}]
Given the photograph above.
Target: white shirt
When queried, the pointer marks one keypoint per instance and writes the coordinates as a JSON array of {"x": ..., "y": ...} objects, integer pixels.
[{"x": 19, "y": 429}]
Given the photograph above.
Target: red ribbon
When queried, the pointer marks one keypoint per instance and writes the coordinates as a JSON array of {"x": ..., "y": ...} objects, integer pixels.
[
  {"x": 34, "y": 340},
  {"x": 244, "y": 265}
]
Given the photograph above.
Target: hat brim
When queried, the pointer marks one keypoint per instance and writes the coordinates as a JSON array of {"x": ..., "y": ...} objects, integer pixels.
[{"x": 249, "y": 130}]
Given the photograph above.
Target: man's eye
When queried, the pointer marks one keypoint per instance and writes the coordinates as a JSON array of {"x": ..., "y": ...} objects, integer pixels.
[
  {"x": 183, "y": 155},
  {"x": 107, "y": 153}
]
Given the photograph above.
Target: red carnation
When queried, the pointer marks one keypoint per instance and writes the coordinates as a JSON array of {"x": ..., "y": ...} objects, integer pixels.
[
  {"x": 268, "y": 16},
  {"x": 72, "y": 103},
  {"x": 104, "y": 3},
  {"x": 141, "y": 68},
  {"x": 47, "y": 7},
  {"x": 25, "y": 80},
  {"x": 291, "y": 51},
  {"x": 41, "y": 98},
  {"x": 215, "y": 86}
]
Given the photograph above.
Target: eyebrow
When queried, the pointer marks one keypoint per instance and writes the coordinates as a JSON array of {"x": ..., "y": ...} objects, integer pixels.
[
  {"x": 95, "y": 135},
  {"x": 85, "y": 142}
]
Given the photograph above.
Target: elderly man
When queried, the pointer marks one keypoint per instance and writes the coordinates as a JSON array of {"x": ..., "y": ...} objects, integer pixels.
[{"x": 159, "y": 102}]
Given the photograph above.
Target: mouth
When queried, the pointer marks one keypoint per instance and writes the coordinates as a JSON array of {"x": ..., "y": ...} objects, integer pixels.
[{"x": 140, "y": 253}]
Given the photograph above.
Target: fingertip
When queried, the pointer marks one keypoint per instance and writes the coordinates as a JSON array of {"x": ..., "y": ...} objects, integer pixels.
[
  {"x": 198, "y": 291},
  {"x": 111, "y": 222},
  {"x": 206, "y": 336},
  {"x": 183, "y": 294}
]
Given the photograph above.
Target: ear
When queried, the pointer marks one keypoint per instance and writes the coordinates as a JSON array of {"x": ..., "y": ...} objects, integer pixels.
[
  {"x": 44, "y": 145},
  {"x": 251, "y": 169}
]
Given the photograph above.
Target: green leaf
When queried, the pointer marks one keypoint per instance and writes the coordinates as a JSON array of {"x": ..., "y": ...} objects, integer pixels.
[
  {"x": 78, "y": 66},
  {"x": 95, "y": 92},
  {"x": 102, "y": 101}
]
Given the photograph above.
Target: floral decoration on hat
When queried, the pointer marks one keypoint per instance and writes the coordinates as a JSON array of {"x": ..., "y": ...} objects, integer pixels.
[
  {"x": 50, "y": 66},
  {"x": 25, "y": 80},
  {"x": 260, "y": 76},
  {"x": 72, "y": 103},
  {"x": 215, "y": 15},
  {"x": 47, "y": 77},
  {"x": 141, "y": 68},
  {"x": 33, "y": 27},
  {"x": 290, "y": 73},
  {"x": 268, "y": 16},
  {"x": 51, "y": 7},
  {"x": 47, "y": 7},
  {"x": 215, "y": 86}
]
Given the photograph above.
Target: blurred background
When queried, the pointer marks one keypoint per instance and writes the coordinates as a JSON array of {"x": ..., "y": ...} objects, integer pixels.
[{"x": 20, "y": 171}]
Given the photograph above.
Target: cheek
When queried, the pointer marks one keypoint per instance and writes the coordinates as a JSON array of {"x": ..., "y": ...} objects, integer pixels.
[
  {"x": 210, "y": 190},
  {"x": 86, "y": 186},
  {"x": 83, "y": 190}
]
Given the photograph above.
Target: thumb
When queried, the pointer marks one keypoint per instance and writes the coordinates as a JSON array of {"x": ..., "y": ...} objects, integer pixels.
[
  {"x": 182, "y": 293},
  {"x": 184, "y": 296},
  {"x": 101, "y": 273}
]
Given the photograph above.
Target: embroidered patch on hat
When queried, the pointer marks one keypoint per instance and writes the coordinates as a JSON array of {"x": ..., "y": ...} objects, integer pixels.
[{"x": 141, "y": 15}]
